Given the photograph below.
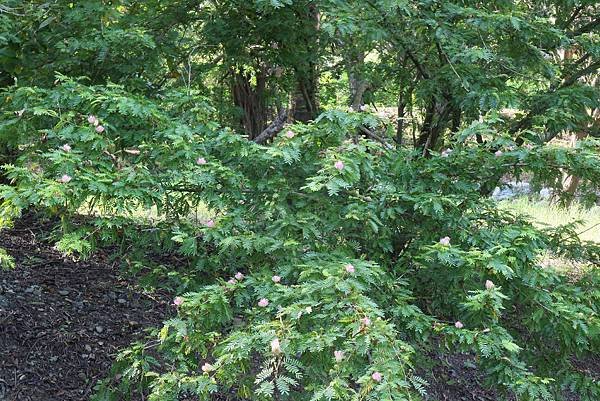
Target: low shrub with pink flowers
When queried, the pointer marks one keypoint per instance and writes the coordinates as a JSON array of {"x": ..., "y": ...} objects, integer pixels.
[{"x": 325, "y": 268}]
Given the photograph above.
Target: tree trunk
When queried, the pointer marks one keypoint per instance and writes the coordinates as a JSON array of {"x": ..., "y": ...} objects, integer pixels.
[
  {"x": 436, "y": 119},
  {"x": 358, "y": 84},
  {"x": 400, "y": 121},
  {"x": 251, "y": 100},
  {"x": 571, "y": 182},
  {"x": 305, "y": 98}
]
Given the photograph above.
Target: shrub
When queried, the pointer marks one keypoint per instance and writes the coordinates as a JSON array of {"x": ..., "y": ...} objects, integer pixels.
[{"x": 380, "y": 255}]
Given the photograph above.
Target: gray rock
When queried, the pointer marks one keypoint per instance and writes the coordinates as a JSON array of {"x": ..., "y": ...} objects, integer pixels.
[{"x": 4, "y": 304}]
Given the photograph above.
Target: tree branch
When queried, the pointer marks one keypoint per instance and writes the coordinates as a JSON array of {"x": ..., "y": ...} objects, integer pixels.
[{"x": 272, "y": 130}]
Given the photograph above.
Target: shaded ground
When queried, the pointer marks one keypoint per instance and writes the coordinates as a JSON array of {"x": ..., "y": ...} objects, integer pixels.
[
  {"x": 61, "y": 322},
  {"x": 456, "y": 378}
]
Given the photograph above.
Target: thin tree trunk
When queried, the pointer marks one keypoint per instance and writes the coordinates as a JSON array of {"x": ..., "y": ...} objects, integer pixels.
[
  {"x": 400, "y": 121},
  {"x": 436, "y": 119},
  {"x": 305, "y": 98},
  {"x": 358, "y": 85}
]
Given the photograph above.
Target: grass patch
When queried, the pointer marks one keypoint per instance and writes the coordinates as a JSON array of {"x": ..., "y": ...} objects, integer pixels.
[{"x": 545, "y": 213}]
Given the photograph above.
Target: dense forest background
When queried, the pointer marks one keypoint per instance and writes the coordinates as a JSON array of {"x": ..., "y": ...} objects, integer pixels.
[{"x": 312, "y": 181}]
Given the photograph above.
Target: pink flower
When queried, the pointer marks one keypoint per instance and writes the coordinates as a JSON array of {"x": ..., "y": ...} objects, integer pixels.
[
  {"x": 263, "y": 303},
  {"x": 377, "y": 376},
  {"x": 275, "y": 347},
  {"x": 210, "y": 223},
  {"x": 289, "y": 134},
  {"x": 446, "y": 152},
  {"x": 458, "y": 325},
  {"x": 276, "y": 279},
  {"x": 178, "y": 301},
  {"x": 498, "y": 153},
  {"x": 489, "y": 284},
  {"x": 207, "y": 367},
  {"x": 201, "y": 161},
  {"x": 365, "y": 321},
  {"x": 239, "y": 276},
  {"x": 65, "y": 179},
  {"x": 339, "y": 165},
  {"x": 338, "y": 355},
  {"x": 92, "y": 120},
  {"x": 350, "y": 268},
  {"x": 231, "y": 281},
  {"x": 66, "y": 147},
  {"x": 100, "y": 129},
  {"x": 445, "y": 241}
]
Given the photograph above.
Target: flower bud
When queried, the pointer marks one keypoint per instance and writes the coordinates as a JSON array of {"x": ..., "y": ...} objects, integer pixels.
[
  {"x": 446, "y": 152},
  {"x": 65, "y": 179},
  {"x": 377, "y": 376},
  {"x": 275, "y": 347},
  {"x": 445, "y": 241}
]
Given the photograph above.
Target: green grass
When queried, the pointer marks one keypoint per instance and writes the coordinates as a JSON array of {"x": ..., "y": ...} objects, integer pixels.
[{"x": 546, "y": 214}]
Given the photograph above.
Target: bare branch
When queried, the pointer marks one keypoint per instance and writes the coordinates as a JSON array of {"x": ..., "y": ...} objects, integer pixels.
[{"x": 274, "y": 128}]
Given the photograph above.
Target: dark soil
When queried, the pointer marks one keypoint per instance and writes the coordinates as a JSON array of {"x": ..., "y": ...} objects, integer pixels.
[
  {"x": 62, "y": 321},
  {"x": 456, "y": 378}
]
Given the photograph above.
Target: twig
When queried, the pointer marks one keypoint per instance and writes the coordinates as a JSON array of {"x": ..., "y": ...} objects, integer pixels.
[{"x": 373, "y": 135}]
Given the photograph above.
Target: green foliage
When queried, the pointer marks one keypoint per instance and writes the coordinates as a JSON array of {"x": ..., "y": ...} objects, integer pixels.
[
  {"x": 6, "y": 261},
  {"x": 356, "y": 247},
  {"x": 329, "y": 262}
]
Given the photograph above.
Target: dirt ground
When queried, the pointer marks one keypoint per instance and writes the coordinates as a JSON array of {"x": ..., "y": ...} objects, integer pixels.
[{"x": 62, "y": 322}]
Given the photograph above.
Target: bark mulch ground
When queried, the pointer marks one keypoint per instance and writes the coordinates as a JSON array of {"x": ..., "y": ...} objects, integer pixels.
[{"x": 61, "y": 321}]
